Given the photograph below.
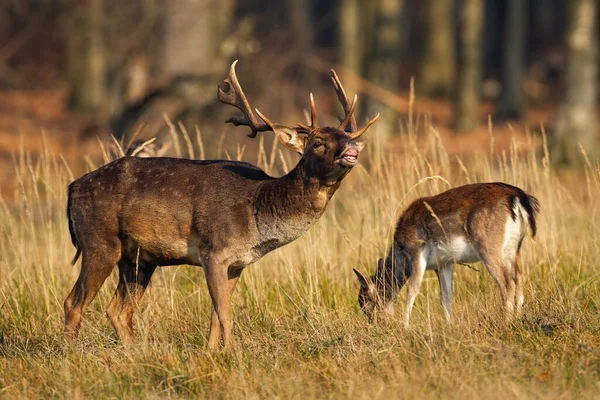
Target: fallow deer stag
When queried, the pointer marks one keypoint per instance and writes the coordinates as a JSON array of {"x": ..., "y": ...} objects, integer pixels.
[
  {"x": 479, "y": 222},
  {"x": 140, "y": 213}
]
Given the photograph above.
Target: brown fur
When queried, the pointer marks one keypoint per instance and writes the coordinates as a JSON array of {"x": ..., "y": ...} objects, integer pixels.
[
  {"x": 476, "y": 214},
  {"x": 140, "y": 213}
]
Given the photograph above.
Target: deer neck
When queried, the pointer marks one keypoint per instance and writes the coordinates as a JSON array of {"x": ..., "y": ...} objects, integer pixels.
[
  {"x": 397, "y": 269},
  {"x": 287, "y": 207}
]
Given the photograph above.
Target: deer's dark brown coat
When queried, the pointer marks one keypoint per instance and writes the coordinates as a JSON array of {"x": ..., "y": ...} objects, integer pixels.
[{"x": 140, "y": 213}]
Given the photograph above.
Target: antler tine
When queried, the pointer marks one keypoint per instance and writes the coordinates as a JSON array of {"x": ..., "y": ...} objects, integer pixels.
[
  {"x": 341, "y": 93},
  {"x": 350, "y": 117},
  {"x": 313, "y": 112},
  {"x": 357, "y": 134},
  {"x": 230, "y": 92},
  {"x": 313, "y": 118},
  {"x": 267, "y": 121}
]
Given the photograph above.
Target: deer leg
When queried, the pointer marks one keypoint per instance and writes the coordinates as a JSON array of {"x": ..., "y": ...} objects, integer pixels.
[
  {"x": 133, "y": 281},
  {"x": 221, "y": 284},
  {"x": 214, "y": 336},
  {"x": 519, "y": 289},
  {"x": 444, "y": 274},
  {"x": 413, "y": 285},
  {"x": 96, "y": 266},
  {"x": 509, "y": 304},
  {"x": 506, "y": 284}
]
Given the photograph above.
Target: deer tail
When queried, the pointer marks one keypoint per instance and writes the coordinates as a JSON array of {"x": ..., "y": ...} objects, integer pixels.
[
  {"x": 529, "y": 207},
  {"x": 72, "y": 228}
]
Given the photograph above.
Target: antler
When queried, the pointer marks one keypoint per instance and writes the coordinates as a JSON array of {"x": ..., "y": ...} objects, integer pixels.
[
  {"x": 357, "y": 134},
  {"x": 230, "y": 92},
  {"x": 348, "y": 124},
  {"x": 313, "y": 118},
  {"x": 348, "y": 107}
]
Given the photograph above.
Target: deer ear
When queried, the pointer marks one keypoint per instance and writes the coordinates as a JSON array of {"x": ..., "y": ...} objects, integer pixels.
[
  {"x": 363, "y": 280},
  {"x": 289, "y": 137},
  {"x": 286, "y": 135}
]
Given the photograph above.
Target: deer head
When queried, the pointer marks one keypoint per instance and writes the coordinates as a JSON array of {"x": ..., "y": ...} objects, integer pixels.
[
  {"x": 328, "y": 153},
  {"x": 376, "y": 293}
]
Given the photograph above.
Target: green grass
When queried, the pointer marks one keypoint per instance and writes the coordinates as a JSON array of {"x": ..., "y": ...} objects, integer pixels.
[{"x": 298, "y": 330}]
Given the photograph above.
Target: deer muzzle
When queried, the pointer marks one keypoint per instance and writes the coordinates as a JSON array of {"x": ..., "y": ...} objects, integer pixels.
[{"x": 349, "y": 156}]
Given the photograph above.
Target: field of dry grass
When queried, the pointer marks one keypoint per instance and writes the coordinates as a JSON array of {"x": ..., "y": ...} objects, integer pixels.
[{"x": 298, "y": 329}]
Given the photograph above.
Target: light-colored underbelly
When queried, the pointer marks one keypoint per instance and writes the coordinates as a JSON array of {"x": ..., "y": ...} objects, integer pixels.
[{"x": 456, "y": 250}]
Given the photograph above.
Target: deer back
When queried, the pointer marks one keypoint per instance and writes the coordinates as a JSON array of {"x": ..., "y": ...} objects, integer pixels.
[
  {"x": 463, "y": 211},
  {"x": 162, "y": 205}
]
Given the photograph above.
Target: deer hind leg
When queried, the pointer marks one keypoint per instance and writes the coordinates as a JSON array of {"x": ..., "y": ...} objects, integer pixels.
[
  {"x": 96, "y": 265},
  {"x": 444, "y": 274},
  {"x": 509, "y": 304},
  {"x": 133, "y": 281},
  {"x": 413, "y": 285},
  {"x": 221, "y": 285},
  {"x": 503, "y": 277},
  {"x": 520, "y": 298}
]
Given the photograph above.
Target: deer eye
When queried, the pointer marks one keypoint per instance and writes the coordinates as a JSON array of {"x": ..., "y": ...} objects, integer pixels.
[{"x": 316, "y": 145}]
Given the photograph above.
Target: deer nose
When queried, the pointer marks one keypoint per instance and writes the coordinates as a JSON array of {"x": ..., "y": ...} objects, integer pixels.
[
  {"x": 351, "y": 152},
  {"x": 350, "y": 149},
  {"x": 349, "y": 155}
]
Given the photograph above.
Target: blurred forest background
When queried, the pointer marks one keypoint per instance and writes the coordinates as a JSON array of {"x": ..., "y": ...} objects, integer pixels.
[{"x": 80, "y": 70}]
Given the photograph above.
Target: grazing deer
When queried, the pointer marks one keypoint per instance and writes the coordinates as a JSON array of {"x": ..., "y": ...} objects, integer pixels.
[
  {"x": 140, "y": 213},
  {"x": 479, "y": 222}
]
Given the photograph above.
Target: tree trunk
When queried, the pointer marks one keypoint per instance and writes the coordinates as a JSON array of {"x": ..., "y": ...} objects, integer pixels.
[
  {"x": 86, "y": 55},
  {"x": 299, "y": 12},
  {"x": 576, "y": 121},
  {"x": 194, "y": 46},
  {"x": 437, "y": 74},
  {"x": 469, "y": 70},
  {"x": 354, "y": 26},
  {"x": 5, "y": 34},
  {"x": 193, "y": 35},
  {"x": 511, "y": 103},
  {"x": 383, "y": 60}
]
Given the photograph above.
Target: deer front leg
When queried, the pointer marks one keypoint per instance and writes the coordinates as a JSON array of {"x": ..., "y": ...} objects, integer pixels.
[
  {"x": 221, "y": 283},
  {"x": 444, "y": 274},
  {"x": 214, "y": 335},
  {"x": 413, "y": 284}
]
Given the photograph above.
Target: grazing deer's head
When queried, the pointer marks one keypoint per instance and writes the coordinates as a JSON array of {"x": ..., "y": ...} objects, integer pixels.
[
  {"x": 328, "y": 153},
  {"x": 376, "y": 294}
]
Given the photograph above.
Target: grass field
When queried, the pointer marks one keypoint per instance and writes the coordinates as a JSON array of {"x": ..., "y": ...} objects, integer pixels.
[{"x": 298, "y": 329}]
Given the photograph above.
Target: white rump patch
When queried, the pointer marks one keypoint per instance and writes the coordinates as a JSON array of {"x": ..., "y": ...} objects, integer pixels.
[
  {"x": 519, "y": 210},
  {"x": 514, "y": 231}
]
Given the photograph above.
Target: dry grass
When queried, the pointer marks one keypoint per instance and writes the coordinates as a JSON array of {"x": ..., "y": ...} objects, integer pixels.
[{"x": 298, "y": 329}]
